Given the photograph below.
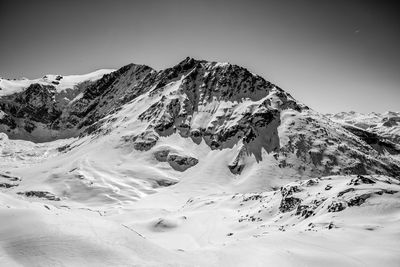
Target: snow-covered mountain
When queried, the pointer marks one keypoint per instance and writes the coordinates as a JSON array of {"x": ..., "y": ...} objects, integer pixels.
[
  {"x": 59, "y": 82},
  {"x": 28, "y": 108},
  {"x": 203, "y": 163},
  {"x": 386, "y": 124}
]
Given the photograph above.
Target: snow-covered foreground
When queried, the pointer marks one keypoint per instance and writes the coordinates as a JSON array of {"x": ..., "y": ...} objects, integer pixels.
[
  {"x": 107, "y": 218},
  {"x": 34, "y": 234},
  {"x": 214, "y": 230}
]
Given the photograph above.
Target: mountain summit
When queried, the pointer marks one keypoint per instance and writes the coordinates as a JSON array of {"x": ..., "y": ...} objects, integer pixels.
[{"x": 258, "y": 128}]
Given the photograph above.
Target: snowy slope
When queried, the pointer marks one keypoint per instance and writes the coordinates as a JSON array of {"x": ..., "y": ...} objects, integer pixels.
[
  {"x": 60, "y": 82},
  {"x": 334, "y": 221},
  {"x": 37, "y": 234},
  {"x": 298, "y": 225}
]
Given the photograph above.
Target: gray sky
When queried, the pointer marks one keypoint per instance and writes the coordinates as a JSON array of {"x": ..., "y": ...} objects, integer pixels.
[{"x": 331, "y": 55}]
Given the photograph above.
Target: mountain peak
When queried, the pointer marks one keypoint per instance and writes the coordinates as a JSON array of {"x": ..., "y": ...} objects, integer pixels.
[{"x": 221, "y": 104}]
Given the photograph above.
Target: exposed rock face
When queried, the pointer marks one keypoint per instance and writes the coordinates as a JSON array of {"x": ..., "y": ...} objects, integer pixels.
[
  {"x": 181, "y": 163},
  {"x": 9, "y": 177},
  {"x": 289, "y": 204},
  {"x": 361, "y": 180},
  {"x": 33, "y": 113},
  {"x": 204, "y": 87},
  {"x": 308, "y": 210},
  {"x": 106, "y": 96},
  {"x": 40, "y": 194},
  {"x": 289, "y": 190},
  {"x": 177, "y": 160},
  {"x": 35, "y": 103},
  {"x": 238, "y": 163},
  {"x": 337, "y": 206},
  {"x": 161, "y": 155},
  {"x": 7, "y": 185},
  {"x": 142, "y": 142},
  {"x": 7, "y": 181}
]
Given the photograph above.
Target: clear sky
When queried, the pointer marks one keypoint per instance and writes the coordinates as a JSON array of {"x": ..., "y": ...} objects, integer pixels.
[{"x": 331, "y": 55}]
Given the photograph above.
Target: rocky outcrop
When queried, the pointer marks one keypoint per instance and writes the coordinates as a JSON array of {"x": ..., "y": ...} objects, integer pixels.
[
  {"x": 162, "y": 155},
  {"x": 178, "y": 161},
  {"x": 181, "y": 162},
  {"x": 24, "y": 112},
  {"x": 8, "y": 181},
  {"x": 361, "y": 180},
  {"x": 9, "y": 177},
  {"x": 106, "y": 96},
  {"x": 40, "y": 194},
  {"x": 142, "y": 142},
  {"x": 337, "y": 206},
  {"x": 238, "y": 163},
  {"x": 289, "y": 203}
]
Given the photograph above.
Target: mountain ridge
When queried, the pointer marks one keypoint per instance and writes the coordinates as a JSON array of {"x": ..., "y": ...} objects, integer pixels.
[{"x": 221, "y": 104}]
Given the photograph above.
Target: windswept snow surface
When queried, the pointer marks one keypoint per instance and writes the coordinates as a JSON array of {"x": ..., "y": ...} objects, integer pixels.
[
  {"x": 111, "y": 211},
  {"x": 60, "y": 82}
]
